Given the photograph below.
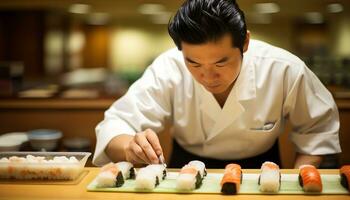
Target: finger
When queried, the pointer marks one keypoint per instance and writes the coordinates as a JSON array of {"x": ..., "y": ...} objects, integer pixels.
[
  {"x": 139, "y": 154},
  {"x": 136, "y": 160},
  {"x": 154, "y": 141},
  {"x": 142, "y": 141},
  {"x": 130, "y": 156}
]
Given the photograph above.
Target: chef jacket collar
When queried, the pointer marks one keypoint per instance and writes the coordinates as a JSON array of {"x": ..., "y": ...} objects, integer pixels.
[{"x": 245, "y": 84}]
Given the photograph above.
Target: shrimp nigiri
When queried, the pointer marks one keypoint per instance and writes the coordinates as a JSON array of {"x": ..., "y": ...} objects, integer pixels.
[
  {"x": 270, "y": 177},
  {"x": 190, "y": 176}
]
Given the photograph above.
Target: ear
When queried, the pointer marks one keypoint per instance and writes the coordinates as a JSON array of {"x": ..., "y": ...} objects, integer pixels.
[{"x": 246, "y": 41}]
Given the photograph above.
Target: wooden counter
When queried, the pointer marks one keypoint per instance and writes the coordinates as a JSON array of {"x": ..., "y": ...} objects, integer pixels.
[{"x": 29, "y": 191}]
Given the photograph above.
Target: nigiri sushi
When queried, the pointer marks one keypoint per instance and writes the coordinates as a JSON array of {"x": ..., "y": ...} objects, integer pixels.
[
  {"x": 270, "y": 177},
  {"x": 310, "y": 178},
  {"x": 160, "y": 171},
  {"x": 191, "y": 176},
  {"x": 232, "y": 179},
  {"x": 200, "y": 166},
  {"x": 127, "y": 169},
  {"x": 109, "y": 176},
  {"x": 115, "y": 174},
  {"x": 345, "y": 176},
  {"x": 149, "y": 177}
]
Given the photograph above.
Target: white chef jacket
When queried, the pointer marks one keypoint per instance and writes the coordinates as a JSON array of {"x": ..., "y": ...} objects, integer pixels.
[{"x": 273, "y": 86}]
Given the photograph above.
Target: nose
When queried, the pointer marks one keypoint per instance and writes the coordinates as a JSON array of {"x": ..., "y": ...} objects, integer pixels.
[{"x": 209, "y": 73}]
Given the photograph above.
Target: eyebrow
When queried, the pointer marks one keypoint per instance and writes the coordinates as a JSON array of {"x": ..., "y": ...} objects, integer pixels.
[{"x": 224, "y": 59}]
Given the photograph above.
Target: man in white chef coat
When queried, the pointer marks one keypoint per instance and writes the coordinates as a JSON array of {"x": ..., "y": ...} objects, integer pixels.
[{"x": 227, "y": 97}]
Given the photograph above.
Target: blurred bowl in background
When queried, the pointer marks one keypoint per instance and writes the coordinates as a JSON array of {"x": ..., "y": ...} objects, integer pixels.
[
  {"x": 10, "y": 145},
  {"x": 12, "y": 141},
  {"x": 44, "y": 139},
  {"x": 77, "y": 144}
]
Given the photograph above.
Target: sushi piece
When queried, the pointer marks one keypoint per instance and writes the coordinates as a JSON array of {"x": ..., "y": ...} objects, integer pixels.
[
  {"x": 310, "y": 178},
  {"x": 150, "y": 176},
  {"x": 200, "y": 166},
  {"x": 115, "y": 174},
  {"x": 160, "y": 171},
  {"x": 109, "y": 176},
  {"x": 232, "y": 179},
  {"x": 127, "y": 169},
  {"x": 191, "y": 176},
  {"x": 345, "y": 176},
  {"x": 146, "y": 179},
  {"x": 270, "y": 177}
]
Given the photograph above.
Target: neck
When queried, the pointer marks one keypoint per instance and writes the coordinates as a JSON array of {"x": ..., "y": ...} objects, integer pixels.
[{"x": 222, "y": 97}]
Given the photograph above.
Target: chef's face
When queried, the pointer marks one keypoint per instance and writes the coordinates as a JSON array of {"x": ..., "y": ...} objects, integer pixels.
[{"x": 215, "y": 65}]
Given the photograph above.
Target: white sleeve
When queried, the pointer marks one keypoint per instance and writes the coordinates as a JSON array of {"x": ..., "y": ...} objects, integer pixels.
[
  {"x": 147, "y": 104},
  {"x": 313, "y": 115}
]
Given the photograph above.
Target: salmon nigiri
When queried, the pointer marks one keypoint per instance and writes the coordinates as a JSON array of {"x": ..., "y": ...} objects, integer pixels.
[
  {"x": 232, "y": 179},
  {"x": 310, "y": 178},
  {"x": 345, "y": 176}
]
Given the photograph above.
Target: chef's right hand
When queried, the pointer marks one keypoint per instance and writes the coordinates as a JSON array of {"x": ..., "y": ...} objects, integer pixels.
[{"x": 144, "y": 148}]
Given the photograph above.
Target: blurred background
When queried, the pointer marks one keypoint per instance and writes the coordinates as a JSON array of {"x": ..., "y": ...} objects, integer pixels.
[{"x": 64, "y": 62}]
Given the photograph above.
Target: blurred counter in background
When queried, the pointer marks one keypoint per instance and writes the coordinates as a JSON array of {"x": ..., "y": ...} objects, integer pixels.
[{"x": 75, "y": 118}]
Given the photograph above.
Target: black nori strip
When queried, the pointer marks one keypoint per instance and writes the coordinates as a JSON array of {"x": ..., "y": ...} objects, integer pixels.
[
  {"x": 259, "y": 179},
  {"x": 205, "y": 172},
  {"x": 164, "y": 174},
  {"x": 120, "y": 180},
  {"x": 132, "y": 173},
  {"x": 229, "y": 188},
  {"x": 157, "y": 180},
  {"x": 280, "y": 182},
  {"x": 301, "y": 181},
  {"x": 198, "y": 180},
  {"x": 241, "y": 176},
  {"x": 344, "y": 182}
]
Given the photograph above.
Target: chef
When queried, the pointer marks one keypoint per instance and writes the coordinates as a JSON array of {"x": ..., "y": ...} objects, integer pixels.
[{"x": 227, "y": 97}]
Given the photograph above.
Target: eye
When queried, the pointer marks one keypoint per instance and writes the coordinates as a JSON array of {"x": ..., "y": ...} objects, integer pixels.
[
  {"x": 193, "y": 64},
  {"x": 220, "y": 64}
]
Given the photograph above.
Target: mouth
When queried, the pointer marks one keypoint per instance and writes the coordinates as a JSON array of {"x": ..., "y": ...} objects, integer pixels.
[{"x": 212, "y": 86}]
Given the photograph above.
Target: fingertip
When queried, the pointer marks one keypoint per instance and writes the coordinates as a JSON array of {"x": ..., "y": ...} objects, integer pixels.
[
  {"x": 155, "y": 161},
  {"x": 159, "y": 152}
]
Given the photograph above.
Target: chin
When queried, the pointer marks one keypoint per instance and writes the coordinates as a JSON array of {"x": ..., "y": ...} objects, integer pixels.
[{"x": 217, "y": 90}]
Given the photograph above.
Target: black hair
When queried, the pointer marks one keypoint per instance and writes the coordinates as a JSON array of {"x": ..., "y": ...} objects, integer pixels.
[{"x": 201, "y": 21}]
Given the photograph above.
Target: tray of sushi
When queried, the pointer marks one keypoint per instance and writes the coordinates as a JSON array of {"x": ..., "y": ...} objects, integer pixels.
[
  {"x": 193, "y": 178},
  {"x": 42, "y": 165}
]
